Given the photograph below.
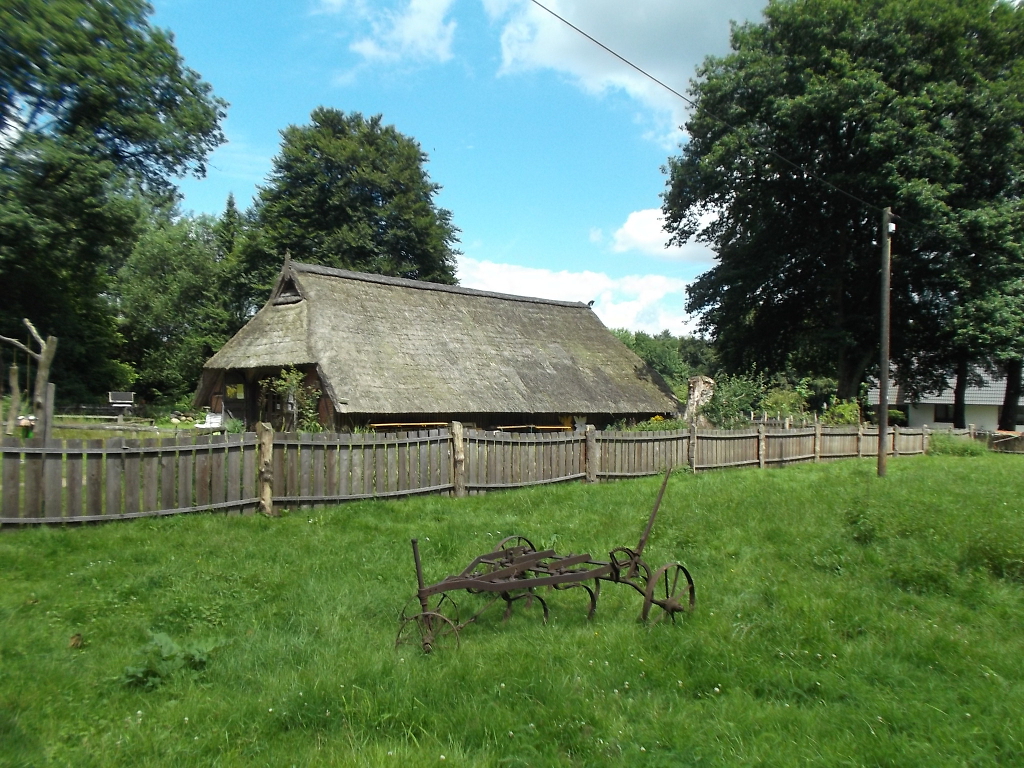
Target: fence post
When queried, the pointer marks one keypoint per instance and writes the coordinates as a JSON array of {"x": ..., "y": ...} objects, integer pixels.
[
  {"x": 593, "y": 454},
  {"x": 970, "y": 428},
  {"x": 46, "y": 428},
  {"x": 860, "y": 439},
  {"x": 925, "y": 435},
  {"x": 762, "y": 446},
  {"x": 692, "y": 458},
  {"x": 458, "y": 460},
  {"x": 817, "y": 442},
  {"x": 895, "y": 439},
  {"x": 265, "y": 436}
]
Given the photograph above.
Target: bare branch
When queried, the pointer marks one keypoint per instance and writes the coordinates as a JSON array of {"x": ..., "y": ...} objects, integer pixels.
[
  {"x": 35, "y": 333},
  {"x": 21, "y": 346}
]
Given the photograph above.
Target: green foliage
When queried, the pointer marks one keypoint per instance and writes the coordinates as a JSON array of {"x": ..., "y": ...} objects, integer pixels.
[
  {"x": 781, "y": 401},
  {"x": 96, "y": 107},
  {"x": 304, "y": 416},
  {"x": 945, "y": 444},
  {"x": 162, "y": 658},
  {"x": 819, "y": 587},
  {"x": 657, "y": 424},
  {"x": 172, "y": 300},
  {"x": 733, "y": 400},
  {"x": 842, "y": 412},
  {"x": 675, "y": 359},
  {"x": 353, "y": 193},
  {"x": 910, "y": 104}
]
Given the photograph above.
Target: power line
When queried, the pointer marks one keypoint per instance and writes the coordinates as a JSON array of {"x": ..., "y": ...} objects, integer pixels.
[{"x": 723, "y": 121}]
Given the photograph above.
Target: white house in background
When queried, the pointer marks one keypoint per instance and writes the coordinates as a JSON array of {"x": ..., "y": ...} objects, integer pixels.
[{"x": 983, "y": 405}]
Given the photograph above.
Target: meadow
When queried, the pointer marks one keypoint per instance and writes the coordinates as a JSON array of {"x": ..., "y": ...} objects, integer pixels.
[{"x": 841, "y": 620}]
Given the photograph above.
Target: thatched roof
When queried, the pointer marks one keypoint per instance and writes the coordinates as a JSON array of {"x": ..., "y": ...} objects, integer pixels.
[{"x": 390, "y": 345}]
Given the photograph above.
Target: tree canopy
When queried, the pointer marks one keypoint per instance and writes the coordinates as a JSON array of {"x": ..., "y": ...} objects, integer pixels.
[
  {"x": 914, "y": 104},
  {"x": 352, "y": 193},
  {"x": 96, "y": 110}
]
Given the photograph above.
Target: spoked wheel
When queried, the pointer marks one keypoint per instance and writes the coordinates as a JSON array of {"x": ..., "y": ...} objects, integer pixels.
[
  {"x": 631, "y": 567},
  {"x": 438, "y": 624},
  {"x": 671, "y": 589},
  {"x": 516, "y": 544}
]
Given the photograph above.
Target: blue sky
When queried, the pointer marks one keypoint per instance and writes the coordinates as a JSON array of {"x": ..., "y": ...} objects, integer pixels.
[{"x": 548, "y": 150}]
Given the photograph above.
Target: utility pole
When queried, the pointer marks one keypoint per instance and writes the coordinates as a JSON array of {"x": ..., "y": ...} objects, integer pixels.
[{"x": 883, "y": 363}]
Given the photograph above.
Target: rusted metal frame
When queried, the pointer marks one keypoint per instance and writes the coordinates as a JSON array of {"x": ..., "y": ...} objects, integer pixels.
[
  {"x": 517, "y": 570},
  {"x": 654, "y": 513}
]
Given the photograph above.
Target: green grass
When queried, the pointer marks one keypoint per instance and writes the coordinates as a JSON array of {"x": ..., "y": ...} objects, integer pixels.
[{"x": 841, "y": 620}]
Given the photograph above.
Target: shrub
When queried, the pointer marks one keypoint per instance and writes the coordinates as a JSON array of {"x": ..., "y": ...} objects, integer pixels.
[
  {"x": 734, "y": 398},
  {"x": 841, "y": 412},
  {"x": 945, "y": 444}
]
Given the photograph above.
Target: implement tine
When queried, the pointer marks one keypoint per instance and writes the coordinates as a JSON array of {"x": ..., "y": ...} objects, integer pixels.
[{"x": 654, "y": 513}]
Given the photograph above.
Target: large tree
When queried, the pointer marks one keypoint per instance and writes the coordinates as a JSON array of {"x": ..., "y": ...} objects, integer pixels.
[
  {"x": 96, "y": 108},
  {"x": 173, "y": 304},
  {"x": 353, "y": 193},
  {"x": 914, "y": 104}
]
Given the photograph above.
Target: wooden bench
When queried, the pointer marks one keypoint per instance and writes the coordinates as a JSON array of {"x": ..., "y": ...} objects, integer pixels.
[{"x": 122, "y": 401}]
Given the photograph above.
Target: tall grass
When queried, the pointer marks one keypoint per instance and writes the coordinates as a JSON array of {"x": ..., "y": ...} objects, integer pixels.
[{"x": 841, "y": 620}]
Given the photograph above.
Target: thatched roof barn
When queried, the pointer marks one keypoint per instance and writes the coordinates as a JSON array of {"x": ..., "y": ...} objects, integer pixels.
[{"x": 390, "y": 350}]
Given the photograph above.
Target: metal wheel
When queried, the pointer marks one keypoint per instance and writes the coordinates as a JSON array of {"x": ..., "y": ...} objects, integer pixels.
[
  {"x": 631, "y": 567},
  {"x": 438, "y": 624},
  {"x": 671, "y": 589},
  {"x": 516, "y": 543}
]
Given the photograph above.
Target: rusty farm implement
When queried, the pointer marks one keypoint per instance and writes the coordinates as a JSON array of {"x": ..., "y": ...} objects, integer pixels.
[{"x": 516, "y": 569}]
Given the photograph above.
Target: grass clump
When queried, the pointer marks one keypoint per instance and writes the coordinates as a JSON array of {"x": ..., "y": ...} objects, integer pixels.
[
  {"x": 841, "y": 619},
  {"x": 946, "y": 444}
]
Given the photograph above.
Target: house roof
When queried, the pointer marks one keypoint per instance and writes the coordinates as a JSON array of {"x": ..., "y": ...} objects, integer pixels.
[
  {"x": 990, "y": 392},
  {"x": 391, "y": 345}
]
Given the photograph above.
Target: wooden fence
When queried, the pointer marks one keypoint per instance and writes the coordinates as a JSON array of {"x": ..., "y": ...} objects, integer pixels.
[{"x": 87, "y": 480}]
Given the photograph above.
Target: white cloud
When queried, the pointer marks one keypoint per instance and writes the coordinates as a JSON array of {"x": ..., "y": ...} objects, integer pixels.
[
  {"x": 644, "y": 231},
  {"x": 421, "y": 30},
  {"x": 667, "y": 38},
  {"x": 650, "y": 303}
]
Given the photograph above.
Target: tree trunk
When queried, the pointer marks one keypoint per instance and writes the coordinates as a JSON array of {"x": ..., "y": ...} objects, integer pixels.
[
  {"x": 850, "y": 373},
  {"x": 960, "y": 395},
  {"x": 12, "y": 417},
  {"x": 43, "y": 377},
  {"x": 1008, "y": 416}
]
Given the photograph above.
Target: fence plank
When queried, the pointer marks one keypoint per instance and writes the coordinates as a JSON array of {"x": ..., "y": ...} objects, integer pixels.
[
  {"x": 186, "y": 469},
  {"x": 115, "y": 475},
  {"x": 250, "y": 488},
  {"x": 73, "y": 470},
  {"x": 150, "y": 476},
  {"x": 132, "y": 465},
  {"x": 319, "y": 460},
  {"x": 202, "y": 481},
  {"x": 53, "y": 481},
  {"x": 94, "y": 479},
  {"x": 218, "y": 451},
  {"x": 168, "y": 460},
  {"x": 33, "y": 478},
  {"x": 11, "y": 478},
  {"x": 233, "y": 492}
]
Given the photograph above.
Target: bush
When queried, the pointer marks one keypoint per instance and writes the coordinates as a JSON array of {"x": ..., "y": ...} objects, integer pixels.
[
  {"x": 783, "y": 402},
  {"x": 841, "y": 412},
  {"x": 734, "y": 398},
  {"x": 658, "y": 423},
  {"x": 945, "y": 444}
]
